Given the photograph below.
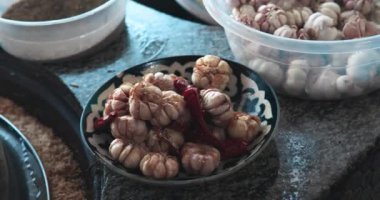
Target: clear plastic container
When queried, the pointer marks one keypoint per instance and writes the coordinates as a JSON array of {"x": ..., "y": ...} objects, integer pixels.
[
  {"x": 320, "y": 70},
  {"x": 59, "y": 39},
  {"x": 196, "y": 8}
]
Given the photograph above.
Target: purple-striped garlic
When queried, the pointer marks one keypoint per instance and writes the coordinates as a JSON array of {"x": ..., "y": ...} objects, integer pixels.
[
  {"x": 363, "y": 6},
  {"x": 287, "y": 31},
  {"x": 321, "y": 27},
  {"x": 129, "y": 129},
  {"x": 159, "y": 166},
  {"x": 254, "y": 3},
  {"x": 355, "y": 27},
  {"x": 144, "y": 101},
  {"x": 376, "y": 13},
  {"x": 159, "y": 141},
  {"x": 118, "y": 101},
  {"x": 199, "y": 159},
  {"x": 270, "y": 17},
  {"x": 218, "y": 105},
  {"x": 298, "y": 16},
  {"x": 161, "y": 80},
  {"x": 173, "y": 105},
  {"x": 129, "y": 155},
  {"x": 246, "y": 15},
  {"x": 332, "y": 10},
  {"x": 302, "y": 34},
  {"x": 347, "y": 15},
  {"x": 211, "y": 72},
  {"x": 244, "y": 126}
]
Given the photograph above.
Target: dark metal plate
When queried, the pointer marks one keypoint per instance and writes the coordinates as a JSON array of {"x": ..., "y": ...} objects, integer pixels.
[{"x": 44, "y": 95}]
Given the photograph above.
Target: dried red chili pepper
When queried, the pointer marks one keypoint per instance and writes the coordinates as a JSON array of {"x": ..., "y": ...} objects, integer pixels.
[
  {"x": 104, "y": 122},
  {"x": 230, "y": 147}
]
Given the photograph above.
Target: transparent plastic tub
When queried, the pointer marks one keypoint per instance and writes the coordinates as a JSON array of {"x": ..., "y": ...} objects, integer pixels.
[
  {"x": 59, "y": 39},
  {"x": 320, "y": 70}
]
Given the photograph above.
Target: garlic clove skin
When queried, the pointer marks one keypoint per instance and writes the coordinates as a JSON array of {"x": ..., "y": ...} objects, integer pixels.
[
  {"x": 211, "y": 72},
  {"x": 244, "y": 126},
  {"x": 246, "y": 15},
  {"x": 332, "y": 10},
  {"x": 321, "y": 27},
  {"x": 217, "y": 104},
  {"x": 363, "y": 6},
  {"x": 286, "y": 31},
  {"x": 199, "y": 159},
  {"x": 172, "y": 107},
  {"x": 270, "y": 17},
  {"x": 159, "y": 166},
  {"x": 145, "y": 99},
  {"x": 156, "y": 144},
  {"x": 298, "y": 16},
  {"x": 130, "y": 129},
  {"x": 129, "y": 155},
  {"x": 355, "y": 27},
  {"x": 161, "y": 80},
  {"x": 118, "y": 101}
]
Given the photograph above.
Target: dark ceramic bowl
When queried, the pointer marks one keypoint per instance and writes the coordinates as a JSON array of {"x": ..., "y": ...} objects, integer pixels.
[{"x": 249, "y": 93}]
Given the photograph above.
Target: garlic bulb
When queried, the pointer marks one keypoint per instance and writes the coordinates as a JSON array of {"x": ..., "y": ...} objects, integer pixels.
[
  {"x": 286, "y": 31},
  {"x": 270, "y": 17},
  {"x": 159, "y": 166},
  {"x": 296, "y": 77},
  {"x": 118, "y": 101},
  {"x": 270, "y": 71},
  {"x": 363, "y": 6},
  {"x": 173, "y": 105},
  {"x": 289, "y": 4},
  {"x": 321, "y": 27},
  {"x": 361, "y": 73},
  {"x": 130, "y": 129},
  {"x": 158, "y": 141},
  {"x": 346, "y": 85},
  {"x": 302, "y": 34},
  {"x": 355, "y": 27},
  {"x": 322, "y": 85},
  {"x": 298, "y": 16},
  {"x": 129, "y": 155},
  {"x": 332, "y": 10},
  {"x": 161, "y": 80},
  {"x": 144, "y": 101},
  {"x": 211, "y": 72},
  {"x": 376, "y": 13},
  {"x": 198, "y": 159},
  {"x": 246, "y": 15},
  {"x": 217, "y": 104},
  {"x": 244, "y": 126}
]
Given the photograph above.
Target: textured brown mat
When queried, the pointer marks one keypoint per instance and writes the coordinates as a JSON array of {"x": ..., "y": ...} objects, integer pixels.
[{"x": 63, "y": 172}]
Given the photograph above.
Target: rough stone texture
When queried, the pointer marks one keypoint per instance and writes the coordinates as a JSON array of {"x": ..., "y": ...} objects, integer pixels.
[{"x": 316, "y": 144}]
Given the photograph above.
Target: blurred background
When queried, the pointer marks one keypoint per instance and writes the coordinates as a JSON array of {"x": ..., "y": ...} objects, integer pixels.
[{"x": 171, "y": 7}]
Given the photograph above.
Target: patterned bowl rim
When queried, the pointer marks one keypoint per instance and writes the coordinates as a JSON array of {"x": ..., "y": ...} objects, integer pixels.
[{"x": 193, "y": 181}]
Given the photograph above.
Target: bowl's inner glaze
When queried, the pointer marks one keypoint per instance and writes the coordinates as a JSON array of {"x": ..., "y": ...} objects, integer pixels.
[{"x": 248, "y": 92}]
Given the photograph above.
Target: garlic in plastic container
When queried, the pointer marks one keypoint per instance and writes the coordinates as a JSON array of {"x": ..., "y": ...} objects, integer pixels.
[{"x": 321, "y": 50}]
